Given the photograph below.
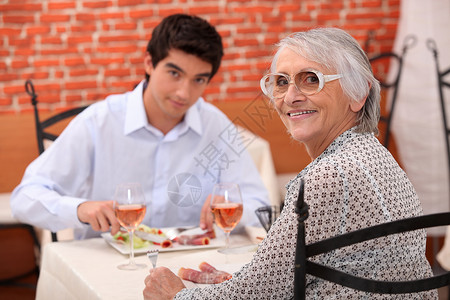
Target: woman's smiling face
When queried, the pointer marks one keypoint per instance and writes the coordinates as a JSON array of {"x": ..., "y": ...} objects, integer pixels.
[{"x": 318, "y": 119}]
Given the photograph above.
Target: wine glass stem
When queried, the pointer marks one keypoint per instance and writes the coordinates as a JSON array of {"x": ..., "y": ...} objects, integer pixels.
[
  {"x": 131, "y": 233},
  {"x": 227, "y": 239}
]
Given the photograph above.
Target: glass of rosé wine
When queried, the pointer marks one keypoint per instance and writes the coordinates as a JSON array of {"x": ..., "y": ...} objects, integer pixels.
[
  {"x": 226, "y": 207},
  {"x": 129, "y": 207}
]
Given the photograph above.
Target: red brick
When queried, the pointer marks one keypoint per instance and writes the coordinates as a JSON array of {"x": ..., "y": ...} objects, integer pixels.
[
  {"x": 9, "y": 31},
  {"x": 20, "y": 7},
  {"x": 169, "y": 11},
  {"x": 371, "y": 3},
  {"x": 56, "y": 40},
  {"x": 37, "y": 30},
  {"x": 328, "y": 17},
  {"x": 125, "y": 26},
  {"x": 83, "y": 28},
  {"x": 129, "y": 2},
  {"x": 79, "y": 39},
  {"x": 371, "y": 15},
  {"x": 60, "y": 51},
  {"x": 107, "y": 61},
  {"x": 141, "y": 13},
  {"x": 73, "y": 98},
  {"x": 245, "y": 42},
  {"x": 17, "y": 64},
  {"x": 34, "y": 75},
  {"x": 301, "y": 17},
  {"x": 249, "y": 30},
  {"x": 117, "y": 72},
  {"x": 112, "y": 15},
  {"x": 61, "y": 5},
  {"x": 118, "y": 38},
  {"x": 257, "y": 53},
  {"x": 77, "y": 61},
  {"x": 52, "y": 18},
  {"x": 85, "y": 17},
  {"x": 8, "y": 77},
  {"x": 46, "y": 63},
  {"x": 284, "y": 8},
  {"x": 4, "y": 102},
  {"x": 83, "y": 72},
  {"x": 203, "y": 10},
  {"x": 253, "y": 9},
  {"x": 79, "y": 85},
  {"x": 14, "y": 89},
  {"x": 18, "y": 19},
  {"x": 97, "y": 4},
  {"x": 118, "y": 49},
  {"x": 23, "y": 52},
  {"x": 49, "y": 97}
]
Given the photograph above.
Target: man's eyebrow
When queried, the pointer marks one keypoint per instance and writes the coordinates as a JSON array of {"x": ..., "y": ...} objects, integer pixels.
[{"x": 174, "y": 66}]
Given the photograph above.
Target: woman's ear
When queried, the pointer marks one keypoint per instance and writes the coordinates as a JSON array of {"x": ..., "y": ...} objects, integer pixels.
[
  {"x": 148, "y": 65},
  {"x": 356, "y": 106}
]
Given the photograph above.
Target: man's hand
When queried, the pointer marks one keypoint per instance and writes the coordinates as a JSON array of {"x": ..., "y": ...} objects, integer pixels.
[
  {"x": 162, "y": 284},
  {"x": 206, "y": 217},
  {"x": 99, "y": 214}
]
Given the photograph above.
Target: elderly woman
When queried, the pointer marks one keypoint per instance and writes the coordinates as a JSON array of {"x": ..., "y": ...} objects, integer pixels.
[{"x": 323, "y": 88}]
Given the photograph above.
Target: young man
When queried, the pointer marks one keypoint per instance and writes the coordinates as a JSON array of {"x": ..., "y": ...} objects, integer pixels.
[{"x": 162, "y": 135}]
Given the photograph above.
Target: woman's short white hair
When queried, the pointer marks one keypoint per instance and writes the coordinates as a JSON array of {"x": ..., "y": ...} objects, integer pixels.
[{"x": 336, "y": 50}]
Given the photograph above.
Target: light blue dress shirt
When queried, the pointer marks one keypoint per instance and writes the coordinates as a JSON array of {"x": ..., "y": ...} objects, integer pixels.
[{"x": 111, "y": 142}]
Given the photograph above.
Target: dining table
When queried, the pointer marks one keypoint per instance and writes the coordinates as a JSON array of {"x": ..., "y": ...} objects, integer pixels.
[{"x": 87, "y": 269}]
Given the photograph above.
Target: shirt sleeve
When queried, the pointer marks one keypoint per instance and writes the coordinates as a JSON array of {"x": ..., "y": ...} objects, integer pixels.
[{"x": 54, "y": 183}]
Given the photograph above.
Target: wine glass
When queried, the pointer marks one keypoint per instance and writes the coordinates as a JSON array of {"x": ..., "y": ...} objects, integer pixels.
[
  {"x": 226, "y": 206},
  {"x": 129, "y": 207}
]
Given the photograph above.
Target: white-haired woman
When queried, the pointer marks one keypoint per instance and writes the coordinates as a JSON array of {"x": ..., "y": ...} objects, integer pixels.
[{"x": 323, "y": 88}]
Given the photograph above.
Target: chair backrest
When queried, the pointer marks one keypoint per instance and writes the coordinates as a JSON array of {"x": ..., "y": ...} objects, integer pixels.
[
  {"x": 41, "y": 125},
  {"x": 392, "y": 60},
  {"x": 18, "y": 260},
  {"x": 304, "y": 266},
  {"x": 442, "y": 84}
]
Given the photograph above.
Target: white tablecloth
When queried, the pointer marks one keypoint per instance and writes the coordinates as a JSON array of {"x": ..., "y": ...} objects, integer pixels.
[{"x": 87, "y": 269}]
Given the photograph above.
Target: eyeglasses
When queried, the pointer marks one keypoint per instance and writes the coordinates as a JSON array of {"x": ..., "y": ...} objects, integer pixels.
[{"x": 308, "y": 82}]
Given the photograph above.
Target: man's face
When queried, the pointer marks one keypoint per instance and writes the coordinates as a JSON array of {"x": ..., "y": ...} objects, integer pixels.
[{"x": 174, "y": 86}]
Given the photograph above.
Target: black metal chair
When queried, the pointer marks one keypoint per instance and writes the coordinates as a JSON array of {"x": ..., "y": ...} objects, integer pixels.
[
  {"x": 431, "y": 44},
  {"x": 395, "y": 59},
  {"x": 41, "y": 126},
  {"x": 19, "y": 269},
  {"x": 304, "y": 266}
]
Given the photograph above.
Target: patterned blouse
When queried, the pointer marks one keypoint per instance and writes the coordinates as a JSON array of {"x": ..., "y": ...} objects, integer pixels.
[{"x": 353, "y": 184}]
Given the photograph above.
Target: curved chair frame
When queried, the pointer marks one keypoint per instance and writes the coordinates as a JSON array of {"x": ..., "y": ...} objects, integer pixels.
[{"x": 304, "y": 266}]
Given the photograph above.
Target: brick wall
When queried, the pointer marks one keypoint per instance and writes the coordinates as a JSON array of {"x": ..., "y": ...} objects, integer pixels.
[{"x": 79, "y": 51}]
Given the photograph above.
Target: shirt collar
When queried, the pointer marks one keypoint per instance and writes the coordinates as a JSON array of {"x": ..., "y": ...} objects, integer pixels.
[{"x": 136, "y": 118}]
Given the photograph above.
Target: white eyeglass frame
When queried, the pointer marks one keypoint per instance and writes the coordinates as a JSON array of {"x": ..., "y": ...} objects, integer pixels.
[{"x": 322, "y": 80}]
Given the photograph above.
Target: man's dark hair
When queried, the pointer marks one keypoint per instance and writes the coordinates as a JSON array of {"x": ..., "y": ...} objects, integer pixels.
[{"x": 189, "y": 34}]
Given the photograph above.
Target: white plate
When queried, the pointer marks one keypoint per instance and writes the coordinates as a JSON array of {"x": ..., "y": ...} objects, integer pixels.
[{"x": 217, "y": 242}]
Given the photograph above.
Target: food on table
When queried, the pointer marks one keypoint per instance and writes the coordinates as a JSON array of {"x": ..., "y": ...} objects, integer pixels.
[
  {"x": 207, "y": 274},
  {"x": 197, "y": 239},
  {"x": 140, "y": 243}
]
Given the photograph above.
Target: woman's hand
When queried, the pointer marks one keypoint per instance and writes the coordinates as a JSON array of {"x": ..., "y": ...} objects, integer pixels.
[{"x": 162, "y": 284}]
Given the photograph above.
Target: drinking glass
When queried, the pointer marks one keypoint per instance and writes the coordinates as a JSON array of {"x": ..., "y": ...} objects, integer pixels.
[
  {"x": 129, "y": 207},
  {"x": 226, "y": 206}
]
